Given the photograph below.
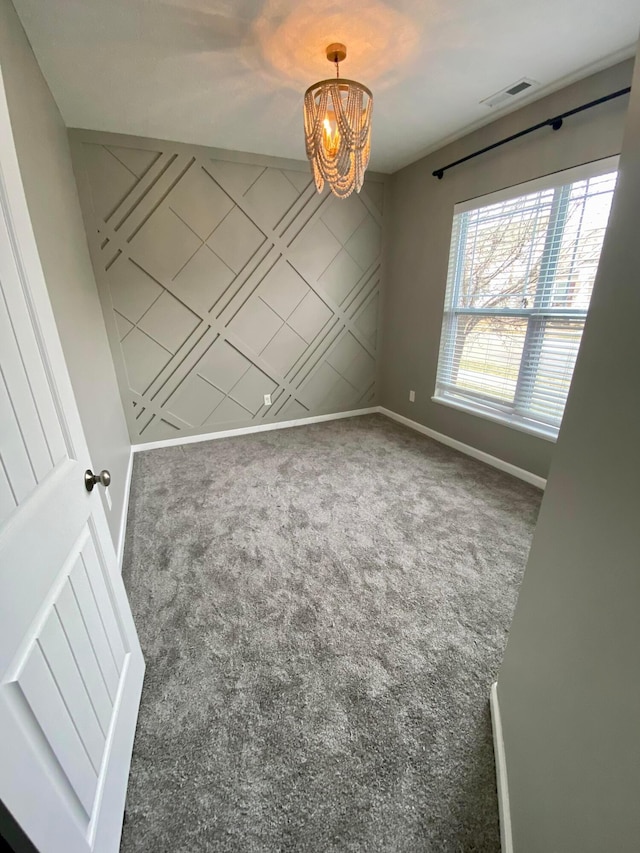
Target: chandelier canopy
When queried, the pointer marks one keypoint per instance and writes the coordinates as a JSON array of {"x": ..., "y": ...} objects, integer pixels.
[{"x": 337, "y": 127}]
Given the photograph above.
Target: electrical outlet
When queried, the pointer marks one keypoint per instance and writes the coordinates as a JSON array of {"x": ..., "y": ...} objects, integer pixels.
[
  {"x": 412, "y": 396},
  {"x": 267, "y": 399}
]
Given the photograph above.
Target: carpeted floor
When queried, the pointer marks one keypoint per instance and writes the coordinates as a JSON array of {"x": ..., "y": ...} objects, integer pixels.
[{"x": 322, "y": 611}]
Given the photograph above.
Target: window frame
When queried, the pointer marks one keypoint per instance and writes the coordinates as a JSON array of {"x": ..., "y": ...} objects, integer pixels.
[{"x": 537, "y": 316}]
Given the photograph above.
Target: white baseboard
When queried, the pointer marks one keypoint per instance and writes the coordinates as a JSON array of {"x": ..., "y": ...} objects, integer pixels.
[
  {"x": 527, "y": 476},
  {"x": 230, "y": 433},
  {"x": 125, "y": 510},
  {"x": 506, "y": 837},
  {"x": 487, "y": 458}
]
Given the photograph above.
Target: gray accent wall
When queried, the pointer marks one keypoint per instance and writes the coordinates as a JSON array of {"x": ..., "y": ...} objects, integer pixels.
[
  {"x": 569, "y": 686},
  {"x": 45, "y": 165},
  {"x": 224, "y": 278},
  {"x": 420, "y": 216}
]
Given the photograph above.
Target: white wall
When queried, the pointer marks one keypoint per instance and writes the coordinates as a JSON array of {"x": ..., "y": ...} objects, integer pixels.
[
  {"x": 45, "y": 164},
  {"x": 569, "y": 686}
]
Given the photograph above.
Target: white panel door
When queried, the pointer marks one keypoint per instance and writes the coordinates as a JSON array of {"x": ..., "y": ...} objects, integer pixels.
[{"x": 71, "y": 668}]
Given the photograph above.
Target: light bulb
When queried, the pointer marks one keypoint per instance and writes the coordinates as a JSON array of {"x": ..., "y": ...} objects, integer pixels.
[{"x": 331, "y": 134}]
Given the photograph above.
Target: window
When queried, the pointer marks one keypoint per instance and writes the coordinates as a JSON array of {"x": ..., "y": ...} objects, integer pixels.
[{"x": 521, "y": 272}]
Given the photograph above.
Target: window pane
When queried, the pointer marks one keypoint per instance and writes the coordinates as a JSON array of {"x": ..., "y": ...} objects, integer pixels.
[
  {"x": 521, "y": 273},
  {"x": 547, "y": 373},
  {"x": 502, "y": 247},
  {"x": 489, "y": 350},
  {"x": 579, "y": 242}
]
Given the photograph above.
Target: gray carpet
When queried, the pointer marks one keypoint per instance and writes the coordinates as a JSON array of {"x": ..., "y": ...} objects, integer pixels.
[{"x": 322, "y": 611}]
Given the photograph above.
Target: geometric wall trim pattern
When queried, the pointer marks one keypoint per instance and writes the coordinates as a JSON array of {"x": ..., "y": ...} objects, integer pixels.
[{"x": 222, "y": 281}]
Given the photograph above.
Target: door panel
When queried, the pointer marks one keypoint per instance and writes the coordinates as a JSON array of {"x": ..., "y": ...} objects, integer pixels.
[
  {"x": 60, "y": 659},
  {"x": 47, "y": 709},
  {"x": 7, "y": 500},
  {"x": 102, "y": 650},
  {"x": 18, "y": 391},
  {"x": 70, "y": 674},
  {"x": 31, "y": 433},
  {"x": 71, "y": 668},
  {"x": 13, "y": 452},
  {"x": 83, "y": 648}
]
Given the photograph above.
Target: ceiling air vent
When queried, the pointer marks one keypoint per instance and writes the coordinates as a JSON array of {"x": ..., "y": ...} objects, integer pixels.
[{"x": 515, "y": 90}]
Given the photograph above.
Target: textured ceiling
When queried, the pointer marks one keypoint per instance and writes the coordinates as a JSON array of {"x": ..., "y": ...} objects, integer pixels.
[{"x": 232, "y": 73}]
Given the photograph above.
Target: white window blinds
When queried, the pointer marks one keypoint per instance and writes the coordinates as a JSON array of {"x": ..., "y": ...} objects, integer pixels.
[{"x": 521, "y": 272}]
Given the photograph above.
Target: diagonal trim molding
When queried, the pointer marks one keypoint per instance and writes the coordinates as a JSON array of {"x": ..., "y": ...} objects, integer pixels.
[{"x": 224, "y": 278}]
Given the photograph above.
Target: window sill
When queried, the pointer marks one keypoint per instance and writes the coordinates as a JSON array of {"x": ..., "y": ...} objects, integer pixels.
[{"x": 496, "y": 417}]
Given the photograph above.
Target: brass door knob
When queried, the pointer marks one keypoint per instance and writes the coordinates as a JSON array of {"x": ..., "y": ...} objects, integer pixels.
[{"x": 90, "y": 479}]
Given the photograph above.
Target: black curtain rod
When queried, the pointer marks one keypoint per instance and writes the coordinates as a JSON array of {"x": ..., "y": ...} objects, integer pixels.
[{"x": 555, "y": 123}]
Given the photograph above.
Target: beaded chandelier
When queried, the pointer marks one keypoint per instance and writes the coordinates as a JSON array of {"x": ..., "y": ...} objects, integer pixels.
[{"x": 337, "y": 128}]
